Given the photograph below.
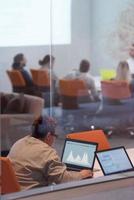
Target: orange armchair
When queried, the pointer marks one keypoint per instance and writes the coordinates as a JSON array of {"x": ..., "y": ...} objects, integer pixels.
[
  {"x": 41, "y": 78},
  {"x": 17, "y": 81},
  {"x": 115, "y": 89},
  {"x": 8, "y": 180},
  {"x": 41, "y": 81},
  {"x": 97, "y": 136},
  {"x": 70, "y": 90}
]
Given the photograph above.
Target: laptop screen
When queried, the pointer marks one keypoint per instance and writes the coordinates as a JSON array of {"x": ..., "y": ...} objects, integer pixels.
[
  {"x": 79, "y": 154},
  {"x": 114, "y": 161}
]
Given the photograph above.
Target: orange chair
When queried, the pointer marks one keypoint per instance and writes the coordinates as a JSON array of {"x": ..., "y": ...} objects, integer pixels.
[
  {"x": 115, "y": 89},
  {"x": 70, "y": 90},
  {"x": 44, "y": 86},
  {"x": 97, "y": 136},
  {"x": 17, "y": 81},
  {"x": 8, "y": 180},
  {"x": 41, "y": 78}
]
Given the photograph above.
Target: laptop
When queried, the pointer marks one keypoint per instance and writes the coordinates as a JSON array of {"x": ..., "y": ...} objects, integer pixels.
[
  {"x": 78, "y": 155},
  {"x": 115, "y": 160}
]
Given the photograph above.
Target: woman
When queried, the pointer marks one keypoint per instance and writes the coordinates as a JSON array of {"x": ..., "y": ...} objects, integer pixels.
[
  {"x": 47, "y": 63},
  {"x": 123, "y": 74},
  {"x": 19, "y": 62}
]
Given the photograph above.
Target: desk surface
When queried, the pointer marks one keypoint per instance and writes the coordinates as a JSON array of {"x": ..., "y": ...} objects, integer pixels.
[
  {"x": 118, "y": 187},
  {"x": 111, "y": 190}
]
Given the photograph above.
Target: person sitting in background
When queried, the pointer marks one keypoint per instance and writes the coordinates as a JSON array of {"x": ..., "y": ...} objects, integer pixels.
[
  {"x": 36, "y": 162},
  {"x": 123, "y": 74},
  {"x": 19, "y": 62},
  {"x": 47, "y": 63},
  {"x": 130, "y": 60},
  {"x": 83, "y": 74}
]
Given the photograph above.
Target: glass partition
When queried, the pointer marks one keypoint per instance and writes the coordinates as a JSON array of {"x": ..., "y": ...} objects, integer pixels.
[{"x": 79, "y": 68}]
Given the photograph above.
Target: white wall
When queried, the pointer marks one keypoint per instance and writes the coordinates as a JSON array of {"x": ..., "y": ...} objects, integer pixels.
[
  {"x": 107, "y": 26},
  {"x": 94, "y": 24},
  {"x": 67, "y": 56}
]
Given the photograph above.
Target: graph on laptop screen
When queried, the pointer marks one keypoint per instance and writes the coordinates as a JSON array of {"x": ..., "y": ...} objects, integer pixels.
[{"x": 77, "y": 153}]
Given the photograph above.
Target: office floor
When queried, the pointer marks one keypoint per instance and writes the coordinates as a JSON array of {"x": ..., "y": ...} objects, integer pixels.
[{"x": 119, "y": 116}]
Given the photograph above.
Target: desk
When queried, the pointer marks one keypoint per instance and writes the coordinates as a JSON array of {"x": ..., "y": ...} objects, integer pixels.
[
  {"x": 131, "y": 154},
  {"x": 118, "y": 187}
]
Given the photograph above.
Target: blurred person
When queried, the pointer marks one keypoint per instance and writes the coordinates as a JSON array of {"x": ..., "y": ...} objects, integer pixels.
[
  {"x": 47, "y": 63},
  {"x": 84, "y": 74},
  {"x": 36, "y": 162},
  {"x": 19, "y": 63},
  {"x": 130, "y": 60},
  {"x": 123, "y": 73}
]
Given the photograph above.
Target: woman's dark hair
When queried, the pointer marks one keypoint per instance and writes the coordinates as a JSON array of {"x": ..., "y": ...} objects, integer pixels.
[
  {"x": 46, "y": 60},
  {"x": 16, "y": 60},
  {"x": 42, "y": 126},
  {"x": 84, "y": 66}
]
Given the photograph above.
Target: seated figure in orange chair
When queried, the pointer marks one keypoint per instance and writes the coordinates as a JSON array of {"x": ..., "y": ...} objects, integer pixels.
[
  {"x": 47, "y": 63},
  {"x": 123, "y": 74},
  {"x": 19, "y": 62},
  {"x": 83, "y": 74}
]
